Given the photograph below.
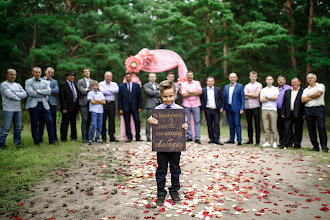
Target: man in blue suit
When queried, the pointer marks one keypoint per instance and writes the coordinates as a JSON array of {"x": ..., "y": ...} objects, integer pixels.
[
  {"x": 211, "y": 98},
  {"x": 38, "y": 90},
  {"x": 49, "y": 73},
  {"x": 130, "y": 103},
  {"x": 234, "y": 107}
]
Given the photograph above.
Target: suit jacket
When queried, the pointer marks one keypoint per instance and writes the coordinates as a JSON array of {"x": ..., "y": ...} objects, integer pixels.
[
  {"x": 41, "y": 93},
  {"x": 218, "y": 96},
  {"x": 54, "y": 90},
  {"x": 81, "y": 85},
  {"x": 238, "y": 99},
  {"x": 299, "y": 107},
  {"x": 66, "y": 98},
  {"x": 153, "y": 96},
  {"x": 123, "y": 103}
]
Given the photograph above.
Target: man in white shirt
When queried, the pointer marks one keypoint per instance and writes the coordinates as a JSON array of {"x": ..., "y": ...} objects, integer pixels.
[
  {"x": 313, "y": 97},
  {"x": 268, "y": 97}
]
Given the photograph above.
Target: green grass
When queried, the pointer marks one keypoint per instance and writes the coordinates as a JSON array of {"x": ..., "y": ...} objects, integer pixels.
[{"x": 23, "y": 168}]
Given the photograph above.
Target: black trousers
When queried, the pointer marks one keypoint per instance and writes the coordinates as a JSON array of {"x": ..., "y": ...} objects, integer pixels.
[
  {"x": 68, "y": 118},
  {"x": 85, "y": 121},
  {"x": 109, "y": 111},
  {"x": 293, "y": 136},
  {"x": 315, "y": 116},
  {"x": 280, "y": 126},
  {"x": 213, "y": 121},
  {"x": 53, "y": 109},
  {"x": 127, "y": 119},
  {"x": 163, "y": 159},
  {"x": 253, "y": 114}
]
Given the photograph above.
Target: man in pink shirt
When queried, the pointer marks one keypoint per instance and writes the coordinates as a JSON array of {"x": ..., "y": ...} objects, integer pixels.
[{"x": 190, "y": 91}]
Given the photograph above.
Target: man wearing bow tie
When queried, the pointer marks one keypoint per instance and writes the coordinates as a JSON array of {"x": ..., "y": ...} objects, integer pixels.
[
  {"x": 49, "y": 73},
  {"x": 38, "y": 106}
]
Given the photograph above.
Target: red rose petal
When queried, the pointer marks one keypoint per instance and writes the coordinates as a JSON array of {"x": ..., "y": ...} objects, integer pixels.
[
  {"x": 162, "y": 210},
  {"x": 324, "y": 209}
]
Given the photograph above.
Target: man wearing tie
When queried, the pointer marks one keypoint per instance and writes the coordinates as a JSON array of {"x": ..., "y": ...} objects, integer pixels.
[
  {"x": 292, "y": 112},
  {"x": 234, "y": 107},
  {"x": 130, "y": 103},
  {"x": 109, "y": 90},
  {"x": 153, "y": 99},
  {"x": 84, "y": 86},
  {"x": 37, "y": 103},
  {"x": 49, "y": 73},
  {"x": 211, "y": 97},
  {"x": 69, "y": 106}
]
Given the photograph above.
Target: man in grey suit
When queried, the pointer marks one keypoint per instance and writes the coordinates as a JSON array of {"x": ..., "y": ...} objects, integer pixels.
[
  {"x": 153, "y": 99},
  {"x": 49, "y": 73},
  {"x": 84, "y": 86},
  {"x": 38, "y": 106}
]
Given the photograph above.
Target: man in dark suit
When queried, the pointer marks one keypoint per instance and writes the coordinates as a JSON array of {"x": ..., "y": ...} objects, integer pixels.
[
  {"x": 234, "y": 107},
  {"x": 153, "y": 99},
  {"x": 49, "y": 73},
  {"x": 84, "y": 86},
  {"x": 69, "y": 106},
  {"x": 130, "y": 103},
  {"x": 211, "y": 97},
  {"x": 293, "y": 111}
]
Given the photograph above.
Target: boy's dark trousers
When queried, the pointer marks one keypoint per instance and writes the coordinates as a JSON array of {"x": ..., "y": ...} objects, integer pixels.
[{"x": 163, "y": 159}]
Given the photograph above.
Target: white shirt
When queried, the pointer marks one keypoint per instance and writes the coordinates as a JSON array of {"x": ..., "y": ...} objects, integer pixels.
[
  {"x": 210, "y": 103},
  {"x": 153, "y": 85},
  {"x": 310, "y": 91},
  {"x": 98, "y": 108},
  {"x": 294, "y": 94},
  {"x": 231, "y": 91},
  {"x": 269, "y": 92},
  {"x": 87, "y": 81}
]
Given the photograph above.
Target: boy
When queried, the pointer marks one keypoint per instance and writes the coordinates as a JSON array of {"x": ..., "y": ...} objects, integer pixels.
[
  {"x": 96, "y": 101},
  {"x": 168, "y": 94}
]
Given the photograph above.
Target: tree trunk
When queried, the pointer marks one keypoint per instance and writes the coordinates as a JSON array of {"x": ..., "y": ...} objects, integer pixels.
[
  {"x": 225, "y": 52},
  {"x": 34, "y": 40},
  {"x": 207, "y": 41},
  {"x": 310, "y": 27},
  {"x": 291, "y": 33},
  {"x": 158, "y": 41}
]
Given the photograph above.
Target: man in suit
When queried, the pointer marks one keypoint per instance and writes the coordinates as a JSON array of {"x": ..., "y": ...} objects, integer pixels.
[
  {"x": 109, "y": 90},
  {"x": 49, "y": 73},
  {"x": 37, "y": 103},
  {"x": 153, "y": 99},
  {"x": 211, "y": 98},
  {"x": 130, "y": 103},
  {"x": 69, "y": 106},
  {"x": 292, "y": 112},
  {"x": 234, "y": 107},
  {"x": 313, "y": 97},
  {"x": 84, "y": 86}
]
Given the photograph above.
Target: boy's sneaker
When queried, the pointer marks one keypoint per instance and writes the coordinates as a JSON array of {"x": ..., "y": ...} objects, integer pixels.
[
  {"x": 90, "y": 142},
  {"x": 274, "y": 145},
  {"x": 266, "y": 144},
  {"x": 99, "y": 141},
  {"x": 175, "y": 197},
  {"x": 160, "y": 200}
]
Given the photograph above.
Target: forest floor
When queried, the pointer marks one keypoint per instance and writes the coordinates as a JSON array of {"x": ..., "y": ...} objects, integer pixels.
[{"x": 117, "y": 181}]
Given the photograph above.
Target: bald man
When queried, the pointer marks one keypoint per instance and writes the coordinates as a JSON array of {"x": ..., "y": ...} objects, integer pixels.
[
  {"x": 109, "y": 90},
  {"x": 12, "y": 93},
  {"x": 234, "y": 107}
]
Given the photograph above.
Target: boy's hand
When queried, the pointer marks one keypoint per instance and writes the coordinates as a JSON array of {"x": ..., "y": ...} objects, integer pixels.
[
  {"x": 152, "y": 121},
  {"x": 185, "y": 126}
]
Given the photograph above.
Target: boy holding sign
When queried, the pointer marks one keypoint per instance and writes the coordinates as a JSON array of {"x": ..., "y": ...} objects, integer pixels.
[{"x": 168, "y": 94}]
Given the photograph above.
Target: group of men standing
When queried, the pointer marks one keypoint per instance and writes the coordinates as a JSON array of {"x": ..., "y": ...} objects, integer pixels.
[{"x": 283, "y": 108}]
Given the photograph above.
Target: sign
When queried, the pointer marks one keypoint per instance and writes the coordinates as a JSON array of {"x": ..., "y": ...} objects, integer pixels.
[{"x": 168, "y": 135}]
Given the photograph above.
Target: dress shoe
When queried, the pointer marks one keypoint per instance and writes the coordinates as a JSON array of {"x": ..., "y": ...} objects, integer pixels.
[
  {"x": 230, "y": 142},
  {"x": 218, "y": 142},
  {"x": 84, "y": 141},
  {"x": 198, "y": 141},
  {"x": 211, "y": 141},
  {"x": 129, "y": 140},
  {"x": 138, "y": 140},
  {"x": 113, "y": 139},
  {"x": 188, "y": 139},
  {"x": 297, "y": 146},
  {"x": 257, "y": 144},
  {"x": 175, "y": 197},
  {"x": 248, "y": 142},
  {"x": 325, "y": 149},
  {"x": 160, "y": 200},
  {"x": 314, "y": 149},
  {"x": 104, "y": 140},
  {"x": 239, "y": 143},
  {"x": 148, "y": 140}
]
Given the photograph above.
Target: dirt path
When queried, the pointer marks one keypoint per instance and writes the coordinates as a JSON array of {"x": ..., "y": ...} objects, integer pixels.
[{"x": 228, "y": 181}]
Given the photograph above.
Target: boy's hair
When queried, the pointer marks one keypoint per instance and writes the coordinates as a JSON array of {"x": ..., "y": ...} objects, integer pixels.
[
  {"x": 95, "y": 83},
  {"x": 166, "y": 84},
  {"x": 171, "y": 73},
  {"x": 253, "y": 73}
]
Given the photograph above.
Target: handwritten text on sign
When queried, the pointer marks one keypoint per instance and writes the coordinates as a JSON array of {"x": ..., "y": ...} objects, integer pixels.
[{"x": 168, "y": 135}]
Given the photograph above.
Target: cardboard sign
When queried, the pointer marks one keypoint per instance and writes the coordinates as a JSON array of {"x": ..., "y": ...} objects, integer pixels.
[{"x": 168, "y": 135}]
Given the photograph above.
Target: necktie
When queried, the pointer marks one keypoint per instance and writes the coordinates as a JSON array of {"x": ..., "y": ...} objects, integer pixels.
[
  {"x": 38, "y": 80},
  {"x": 168, "y": 107},
  {"x": 129, "y": 92},
  {"x": 73, "y": 93}
]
